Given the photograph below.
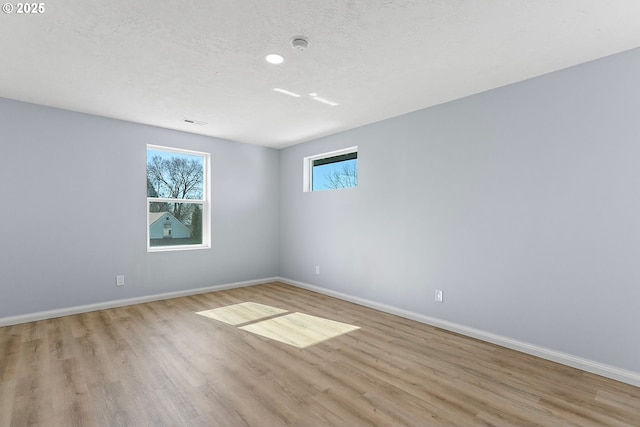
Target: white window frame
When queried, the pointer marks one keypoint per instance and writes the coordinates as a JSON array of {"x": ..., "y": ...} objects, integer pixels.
[
  {"x": 307, "y": 166},
  {"x": 205, "y": 202}
]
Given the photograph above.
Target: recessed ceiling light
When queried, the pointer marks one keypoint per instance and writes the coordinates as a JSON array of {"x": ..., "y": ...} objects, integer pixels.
[
  {"x": 274, "y": 58},
  {"x": 286, "y": 92}
]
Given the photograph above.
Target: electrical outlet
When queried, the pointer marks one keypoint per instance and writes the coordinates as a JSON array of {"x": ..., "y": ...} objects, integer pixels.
[
  {"x": 119, "y": 280},
  {"x": 439, "y": 295},
  {"x": 317, "y": 269}
]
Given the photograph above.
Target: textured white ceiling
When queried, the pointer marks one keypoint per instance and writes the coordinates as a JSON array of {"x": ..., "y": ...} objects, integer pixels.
[{"x": 161, "y": 61}]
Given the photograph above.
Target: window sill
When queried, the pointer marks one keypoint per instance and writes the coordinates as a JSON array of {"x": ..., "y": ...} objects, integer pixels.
[{"x": 176, "y": 248}]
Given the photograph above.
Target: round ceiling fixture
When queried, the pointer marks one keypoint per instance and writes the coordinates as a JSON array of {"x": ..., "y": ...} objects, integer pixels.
[
  {"x": 300, "y": 43},
  {"x": 274, "y": 58}
]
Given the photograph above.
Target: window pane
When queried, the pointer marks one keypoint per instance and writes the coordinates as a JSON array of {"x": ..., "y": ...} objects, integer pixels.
[
  {"x": 329, "y": 174},
  {"x": 172, "y": 224},
  {"x": 174, "y": 175}
]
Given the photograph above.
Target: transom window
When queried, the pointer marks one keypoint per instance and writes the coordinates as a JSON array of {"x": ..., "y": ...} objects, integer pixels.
[
  {"x": 177, "y": 199},
  {"x": 331, "y": 171}
]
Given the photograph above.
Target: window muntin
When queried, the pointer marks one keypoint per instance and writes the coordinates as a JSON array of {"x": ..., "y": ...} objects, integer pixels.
[
  {"x": 332, "y": 170},
  {"x": 177, "y": 199}
]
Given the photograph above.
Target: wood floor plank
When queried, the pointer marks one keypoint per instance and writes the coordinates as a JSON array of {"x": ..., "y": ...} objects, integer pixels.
[
  {"x": 34, "y": 330},
  {"x": 161, "y": 364},
  {"x": 9, "y": 355},
  {"x": 33, "y": 399},
  {"x": 71, "y": 402},
  {"x": 7, "y": 397}
]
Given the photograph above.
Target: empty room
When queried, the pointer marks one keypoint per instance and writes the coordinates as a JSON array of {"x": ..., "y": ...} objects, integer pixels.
[{"x": 320, "y": 213}]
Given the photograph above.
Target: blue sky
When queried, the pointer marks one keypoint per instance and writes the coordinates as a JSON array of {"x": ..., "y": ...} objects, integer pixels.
[
  {"x": 319, "y": 172},
  {"x": 169, "y": 154}
]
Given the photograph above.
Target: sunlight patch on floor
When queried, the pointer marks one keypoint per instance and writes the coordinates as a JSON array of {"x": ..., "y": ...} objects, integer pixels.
[
  {"x": 296, "y": 329},
  {"x": 238, "y": 314},
  {"x": 299, "y": 330}
]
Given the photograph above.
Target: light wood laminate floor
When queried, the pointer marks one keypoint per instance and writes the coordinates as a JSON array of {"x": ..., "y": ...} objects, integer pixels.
[{"x": 161, "y": 364}]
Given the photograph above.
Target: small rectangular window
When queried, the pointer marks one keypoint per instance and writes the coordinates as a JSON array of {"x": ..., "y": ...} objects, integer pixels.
[
  {"x": 177, "y": 199},
  {"x": 331, "y": 171}
]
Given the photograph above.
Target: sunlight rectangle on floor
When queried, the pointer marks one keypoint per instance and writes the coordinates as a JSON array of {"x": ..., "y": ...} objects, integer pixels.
[
  {"x": 238, "y": 314},
  {"x": 299, "y": 330}
]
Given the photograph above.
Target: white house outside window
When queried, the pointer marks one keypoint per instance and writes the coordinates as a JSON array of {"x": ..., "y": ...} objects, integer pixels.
[{"x": 178, "y": 211}]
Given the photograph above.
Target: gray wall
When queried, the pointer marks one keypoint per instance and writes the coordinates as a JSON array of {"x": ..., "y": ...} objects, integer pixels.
[
  {"x": 73, "y": 212},
  {"x": 522, "y": 204}
]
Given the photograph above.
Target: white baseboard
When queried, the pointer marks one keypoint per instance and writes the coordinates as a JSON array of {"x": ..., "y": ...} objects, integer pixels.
[
  {"x": 618, "y": 374},
  {"x": 50, "y": 314}
]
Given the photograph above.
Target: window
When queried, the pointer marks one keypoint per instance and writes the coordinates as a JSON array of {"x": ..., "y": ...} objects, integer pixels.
[
  {"x": 177, "y": 199},
  {"x": 331, "y": 171}
]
